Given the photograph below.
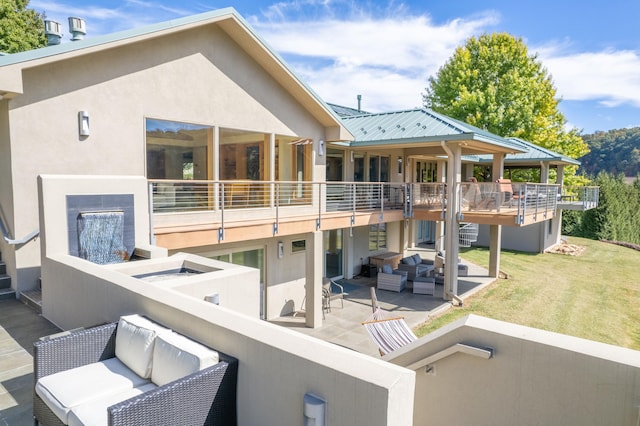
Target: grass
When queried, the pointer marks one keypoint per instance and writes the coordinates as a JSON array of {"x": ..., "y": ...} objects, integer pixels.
[{"x": 595, "y": 295}]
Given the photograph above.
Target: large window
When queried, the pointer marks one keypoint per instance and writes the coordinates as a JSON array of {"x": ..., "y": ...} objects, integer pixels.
[
  {"x": 377, "y": 236},
  {"x": 334, "y": 165},
  {"x": 378, "y": 169},
  {"x": 178, "y": 151},
  {"x": 242, "y": 155}
]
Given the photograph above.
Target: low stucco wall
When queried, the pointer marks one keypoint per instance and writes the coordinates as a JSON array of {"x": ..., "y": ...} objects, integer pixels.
[
  {"x": 534, "y": 377},
  {"x": 277, "y": 366}
]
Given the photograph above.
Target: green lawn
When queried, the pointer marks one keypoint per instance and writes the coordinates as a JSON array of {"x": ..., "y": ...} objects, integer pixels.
[{"x": 595, "y": 295}]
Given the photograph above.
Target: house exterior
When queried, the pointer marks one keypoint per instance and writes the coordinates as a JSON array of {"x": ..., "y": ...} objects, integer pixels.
[{"x": 245, "y": 163}]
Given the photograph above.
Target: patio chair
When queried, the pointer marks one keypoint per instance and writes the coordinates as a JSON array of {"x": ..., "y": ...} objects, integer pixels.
[
  {"x": 392, "y": 280},
  {"x": 331, "y": 290}
]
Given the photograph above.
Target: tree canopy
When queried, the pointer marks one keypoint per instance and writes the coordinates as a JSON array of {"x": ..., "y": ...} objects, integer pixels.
[
  {"x": 492, "y": 82},
  {"x": 614, "y": 151},
  {"x": 20, "y": 28}
]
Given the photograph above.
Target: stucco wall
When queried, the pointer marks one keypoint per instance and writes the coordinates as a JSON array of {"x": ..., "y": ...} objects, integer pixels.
[
  {"x": 199, "y": 76},
  {"x": 534, "y": 377},
  {"x": 525, "y": 239},
  {"x": 277, "y": 366}
]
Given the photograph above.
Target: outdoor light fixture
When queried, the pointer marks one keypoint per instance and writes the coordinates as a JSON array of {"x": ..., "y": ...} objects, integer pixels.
[
  {"x": 314, "y": 409},
  {"x": 83, "y": 123},
  {"x": 321, "y": 147},
  {"x": 280, "y": 249}
]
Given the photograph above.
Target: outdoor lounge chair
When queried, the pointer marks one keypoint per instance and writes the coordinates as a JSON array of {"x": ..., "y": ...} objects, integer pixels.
[
  {"x": 204, "y": 397},
  {"x": 392, "y": 280}
]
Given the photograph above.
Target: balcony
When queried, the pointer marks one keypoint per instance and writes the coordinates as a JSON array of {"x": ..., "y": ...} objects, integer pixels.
[
  {"x": 579, "y": 198},
  {"x": 210, "y": 212}
]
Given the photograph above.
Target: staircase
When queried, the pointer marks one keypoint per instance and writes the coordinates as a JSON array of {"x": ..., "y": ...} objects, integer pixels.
[{"x": 6, "y": 292}]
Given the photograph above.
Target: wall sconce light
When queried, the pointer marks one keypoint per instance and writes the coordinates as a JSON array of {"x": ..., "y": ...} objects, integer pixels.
[
  {"x": 399, "y": 166},
  {"x": 280, "y": 249},
  {"x": 213, "y": 298},
  {"x": 83, "y": 123},
  {"x": 314, "y": 410},
  {"x": 321, "y": 147}
]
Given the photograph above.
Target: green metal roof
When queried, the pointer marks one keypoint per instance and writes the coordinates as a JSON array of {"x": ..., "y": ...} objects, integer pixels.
[
  {"x": 533, "y": 154},
  {"x": 417, "y": 125}
]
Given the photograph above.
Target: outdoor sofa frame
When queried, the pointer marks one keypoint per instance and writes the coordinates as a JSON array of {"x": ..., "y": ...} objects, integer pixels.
[{"x": 207, "y": 397}]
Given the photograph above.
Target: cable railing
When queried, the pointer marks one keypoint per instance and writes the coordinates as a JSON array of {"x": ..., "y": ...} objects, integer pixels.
[
  {"x": 277, "y": 199},
  {"x": 585, "y": 196}
]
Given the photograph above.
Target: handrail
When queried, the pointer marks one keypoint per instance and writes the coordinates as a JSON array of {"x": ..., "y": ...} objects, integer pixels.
[
  {"x": 277, "y": 200},
  {"x": 17, "y": 241},
  {"x": 484, "y": 353}
]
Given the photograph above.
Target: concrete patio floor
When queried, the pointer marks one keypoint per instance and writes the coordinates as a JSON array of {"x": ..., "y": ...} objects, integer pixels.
[
  {"x": 20, "y": 326},
  {"x": 343, "y": 326}
]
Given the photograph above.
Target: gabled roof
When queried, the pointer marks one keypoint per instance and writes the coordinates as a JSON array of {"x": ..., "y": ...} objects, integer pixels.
[
  {"x": 418, "y": 128},
  {"x": 227, "y": 19},
  {"x": 533, "y": 154}
]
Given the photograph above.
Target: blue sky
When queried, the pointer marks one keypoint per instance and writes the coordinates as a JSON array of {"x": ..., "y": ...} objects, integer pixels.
[{"x": 386, "y": 51}]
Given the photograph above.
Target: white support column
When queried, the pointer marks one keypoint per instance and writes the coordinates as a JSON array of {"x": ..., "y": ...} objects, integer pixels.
[
  {"x": 313, "y": 288},
  {"x": 452, "y": 228},
  {"x": 560, "y": 175},
  {"x": 495, "y": 231},
  {"x": 544, "y": 178},
  {"x": 441, "y": 170},
  {"x": 544, "y": 172},
  {"x": 495, "y": 243}
]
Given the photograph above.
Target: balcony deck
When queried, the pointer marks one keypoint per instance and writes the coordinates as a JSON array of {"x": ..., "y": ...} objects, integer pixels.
[{"x": 188, "y": 213}]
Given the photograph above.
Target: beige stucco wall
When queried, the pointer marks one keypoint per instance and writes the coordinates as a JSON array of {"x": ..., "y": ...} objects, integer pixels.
[
  {"x": 199, "y": 76},
  {"x": 277, "y": 366},
  {"x": 534, "y": 377}
]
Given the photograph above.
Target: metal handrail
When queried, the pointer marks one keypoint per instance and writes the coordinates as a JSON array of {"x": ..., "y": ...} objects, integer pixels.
[
  {"x": 276, "y": 200},
  {"x": 11, "y": 241}
]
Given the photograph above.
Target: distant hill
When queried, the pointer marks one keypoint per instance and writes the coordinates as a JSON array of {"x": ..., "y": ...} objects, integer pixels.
[{"x": 614, "y": 151}]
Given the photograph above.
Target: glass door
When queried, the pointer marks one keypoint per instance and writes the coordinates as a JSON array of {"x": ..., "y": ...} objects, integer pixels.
[{"x": 333, "y": 253}]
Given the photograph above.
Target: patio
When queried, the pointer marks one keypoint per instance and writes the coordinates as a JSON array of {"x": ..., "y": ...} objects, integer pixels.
[
  {"x": 20, "y": 326},
  {"x": 343, "y": 326}
]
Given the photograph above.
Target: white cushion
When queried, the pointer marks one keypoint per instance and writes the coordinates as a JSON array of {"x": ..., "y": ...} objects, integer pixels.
[
  {"x": 64, "y": 390},
  {"x": 134, "y": 343},
  {"x": 95, "y": 412},
  {"x": 175, "y": 356}
]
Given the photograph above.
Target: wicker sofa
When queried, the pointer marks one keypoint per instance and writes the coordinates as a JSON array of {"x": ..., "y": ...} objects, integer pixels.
[
  {"x": 415, "y": 266},
  {"x": 117, "y": 375}
]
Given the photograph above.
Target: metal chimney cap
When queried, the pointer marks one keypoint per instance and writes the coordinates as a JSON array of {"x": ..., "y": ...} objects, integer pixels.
[
  {"x": 53, "y": 31},
  {"x": 77, "y": 28}
]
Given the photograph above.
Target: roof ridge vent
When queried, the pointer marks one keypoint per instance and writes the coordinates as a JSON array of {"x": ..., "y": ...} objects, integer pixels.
[
  {"x": 77, "y": 28},
  {"x": 53, "y": 31}
]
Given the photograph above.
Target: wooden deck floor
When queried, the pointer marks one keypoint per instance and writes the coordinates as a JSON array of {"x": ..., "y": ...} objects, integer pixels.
[{"x": 20, "y": 326}]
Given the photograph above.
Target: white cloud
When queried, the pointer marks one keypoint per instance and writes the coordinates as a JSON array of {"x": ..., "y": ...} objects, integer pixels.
[
  {"x": 387, "y": 56},
  {"x": 609, "y": 77}
]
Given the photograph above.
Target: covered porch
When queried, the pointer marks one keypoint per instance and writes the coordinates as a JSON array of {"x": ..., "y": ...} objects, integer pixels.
[{"x": 343, "y": 326}]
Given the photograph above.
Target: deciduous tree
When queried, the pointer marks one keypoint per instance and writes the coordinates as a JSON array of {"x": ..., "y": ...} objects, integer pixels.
[
  {"x": 492, "y": 82},
  {"x": 21, "y": 28}
]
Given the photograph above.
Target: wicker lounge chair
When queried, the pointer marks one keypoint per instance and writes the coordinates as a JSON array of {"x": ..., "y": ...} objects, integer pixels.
[{"x": 206, "y": 397}]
